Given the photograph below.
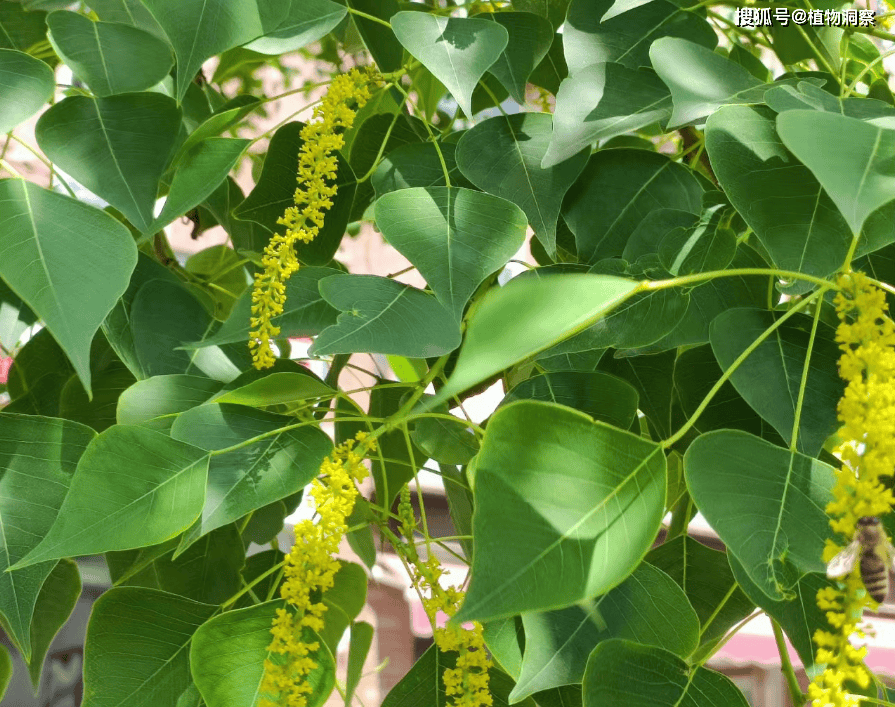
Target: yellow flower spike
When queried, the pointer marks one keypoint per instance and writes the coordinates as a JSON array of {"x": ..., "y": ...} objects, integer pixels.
[
  {"x": 467, "y": 683},
  {"x": 317, "y": 167},
  {"x": 310, "y": 567},
  {"x": 866, "y": 337}
]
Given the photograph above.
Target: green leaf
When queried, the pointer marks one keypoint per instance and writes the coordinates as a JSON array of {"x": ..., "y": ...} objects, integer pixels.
[
  {"x": 98, "y": 412},
  {"x": 358, "y": 649},
  {"x": 626, "y": 39},
  {"x": 603, "y": 101},
  {"x": 617, "y": 190},
  {"x": 148, "y": 631},
  {"x": 229, "y": 115},
  {"x": 125, "y": 475},
  {"x": 445, "y": 441},
  {"x": 380, "y": 40},
  {"x": 704, "y": 575},
  {"x": 651, "y": 376},
  {"x": 128, "y": 12},
  {"x": 38, "y": 457},
  {"x": 277, "y": 389},
  {"x": 707, "y": 246},
  {"x": 530, "y": 36},
  {"x": 55, "y": 603},
  {"x": 770, "y": 379},
  {"x": 305, "y": 22},
  {"x": 131, "y": 135},
  {"x": 198, "y": 174},
  {"x": 417, "y": 165},
  {"x": 305, "y": 313},
  {"x": 648, "y": 607},
  {"x": 424, "y": 684},
  {"x": 799, "y": 617},
  {"x": 275, "y": 191},
  {"x": 696, "y": 371},
  {"x": 208, "y": 571},
  {"x": 786, "y": 494},
  {"x": 165, "y": 317},
  {"x": 253, "y": 475},
  {"x": 15, "y": 318},
  {"x": 28, "y": 84},
  {"x": 43, "y": 234},
  {"x": 20, "y": 29},
  {"x": 111, "y": 58},
  {"x": 155, "y": 402},
  {"x": 383, "y": 316},
  {"x": 552, "y": 70},
  {"x": 849, "y": 157},
  {"x": 791, "y": 215},
  {"x": 700, "y": 80},
  {"x": 600, "y": 395},
  {"x": 344, "y": 601},
  {"x": 513, "y": 147},
  {"x": 454, "y": 237},
  {"x": 558, "y": 495},
  {"x": 502, "y": 330},
  {"x": 505, "y": 639},
  {"x": 227, "y": 658},
  {"x": 623, "y": 672},
  {"x": 199, "y": 29},
  {"x": 39, "y": 372},
  {"x": 807, "y": 95},
  {"x": 457, "y": 50}
]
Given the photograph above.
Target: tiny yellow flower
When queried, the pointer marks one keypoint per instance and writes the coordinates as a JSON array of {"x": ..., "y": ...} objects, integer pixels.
[
  {"x": 310, "y": 567},
  {"x": 866, "y": 337},
  {"x": 317, "y": 167}
]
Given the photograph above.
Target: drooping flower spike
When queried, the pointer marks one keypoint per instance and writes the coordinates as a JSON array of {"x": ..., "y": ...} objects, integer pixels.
[
  {"x": 317, "y": 167},
  {"x": 866, "y": 337}
]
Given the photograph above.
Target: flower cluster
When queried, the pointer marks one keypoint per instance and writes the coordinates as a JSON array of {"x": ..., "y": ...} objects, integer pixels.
[
  {"x": 310, "y": 567},
  {"x": 467, "y": 683},
  {"x": 317, "y": 166},
  {"x": 866, "y": 337}
]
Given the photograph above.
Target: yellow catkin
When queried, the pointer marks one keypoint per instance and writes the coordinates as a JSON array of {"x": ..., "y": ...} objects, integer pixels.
[
  {"x": 317, "y": 165},
  {"x": 467, "y": 683},
  {"x": 866, "y": 337},
  {"x": 311, "y": 567}
]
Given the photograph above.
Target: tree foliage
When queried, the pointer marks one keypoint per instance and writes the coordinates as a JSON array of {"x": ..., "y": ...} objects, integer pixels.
[{"x": 689, "y": 191}]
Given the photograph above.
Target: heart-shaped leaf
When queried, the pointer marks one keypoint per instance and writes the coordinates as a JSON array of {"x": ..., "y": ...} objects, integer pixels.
[
  {"x": 28, "y": 83},
  {"x": 124, "y": 476},
  {"x": 454, "y": 237},
  {"x": 785, "y": 492},
  {"x": 42, "y": 235},
  {"x": 383, "y": 316},
  {"x": 38, "y": 456},
  {"x": 852, "y": 159},
  {"x": 305, "y": 22},
  {"x": 770, "y": 378},
  {"x": 558, "y": 494},
  {"x": 111, "y": 58},
  {"x": 526, "y": 316},
  {"x": 131, "y": 136},
  {"x": 457, "y": 50},
  {"x": 227, "y": 658},
  {"x": 615, "y": 675},
  {"x": 513, "y": 147},
  {"x": 253, "y": 474},
  {"x": 616, "y": 191},
  {"x": 648, "y": 607},
  {"x": 530, "y": 36},
  {"x": 602, "y": 101},
  {"x": 151, "y": 631}
]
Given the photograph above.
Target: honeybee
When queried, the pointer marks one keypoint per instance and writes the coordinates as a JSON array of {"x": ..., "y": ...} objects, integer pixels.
[{"x": 876, "y": 555}]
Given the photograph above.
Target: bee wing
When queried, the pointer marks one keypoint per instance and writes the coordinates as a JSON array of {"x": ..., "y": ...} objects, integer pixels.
[{"x": 844, "y": 562}]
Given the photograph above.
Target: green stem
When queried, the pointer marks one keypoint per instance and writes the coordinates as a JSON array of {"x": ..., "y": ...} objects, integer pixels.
[
  {"x": 399, "y": 416},
  {"x": 736, "y": 364},
  {"x": 444, "y": 169},
  {"x": 251, "y": 584},
  {"x": 792, "y": 682},
  {"x": 372, "y": 18},
  {"x": 803, "y": 383}
]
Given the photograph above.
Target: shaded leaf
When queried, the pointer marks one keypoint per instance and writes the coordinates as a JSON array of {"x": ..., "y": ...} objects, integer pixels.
[
  {"x": 208, "y": 571},
  {"x": 28, "y": 84},
  {"x": 417, "y": 165},
  {"x": 530, "y": 36},
  {"x": 55, "y": 603},
  {"x": 156, "y": 402},
  {"x": 554, "y": 492},
  {"x": 305, "y": 22}
]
